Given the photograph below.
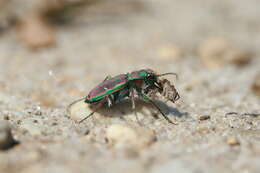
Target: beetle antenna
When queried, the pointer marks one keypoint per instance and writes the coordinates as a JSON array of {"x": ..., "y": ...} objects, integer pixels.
[
  {"x": 164, "y": 74},
  {"x": 74, "y": 102}
]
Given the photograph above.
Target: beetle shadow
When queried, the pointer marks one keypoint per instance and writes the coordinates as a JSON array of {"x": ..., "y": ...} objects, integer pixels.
[
  {"x": 124, "y": 108},
  {"x": 169, "y": 110}
]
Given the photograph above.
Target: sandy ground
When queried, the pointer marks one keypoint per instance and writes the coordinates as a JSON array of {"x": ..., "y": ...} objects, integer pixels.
[{"x": 36, "y": 87}]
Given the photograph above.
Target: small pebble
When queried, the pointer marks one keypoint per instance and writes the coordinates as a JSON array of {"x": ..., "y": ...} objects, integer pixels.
[
  {"x": 30, "y": 126},
  {"x": 169, "y": 52},
  {"x": 217, "y": 52},
  {"x": 6, "y": 138},
  {"x": 76, "y": 93},
  {"x": 6, "y": 117},
  {"x": 79, "y": 110},
  {"x": 232, "y": 141},
  {"x": 256, "y": 85},
  {"x": 202, "y": 130},
  {"x": 204, "y": 117},
  {"x": 124, "y": 136},
  {"x": 36, "y": 33}
]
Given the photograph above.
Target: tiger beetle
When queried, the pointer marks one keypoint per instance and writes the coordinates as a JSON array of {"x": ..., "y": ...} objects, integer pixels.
[{"x": 143, "y": 83}]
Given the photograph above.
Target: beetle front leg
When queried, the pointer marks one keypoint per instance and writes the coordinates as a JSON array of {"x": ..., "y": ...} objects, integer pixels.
[{"x": 157, "y": 107}]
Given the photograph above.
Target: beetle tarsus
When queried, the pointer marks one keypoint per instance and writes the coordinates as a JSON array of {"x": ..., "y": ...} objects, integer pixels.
[{"x": 87, "y": 117}]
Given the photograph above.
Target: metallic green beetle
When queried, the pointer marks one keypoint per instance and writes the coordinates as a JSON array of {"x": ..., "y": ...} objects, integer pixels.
[{"x": 142, "y": 83}]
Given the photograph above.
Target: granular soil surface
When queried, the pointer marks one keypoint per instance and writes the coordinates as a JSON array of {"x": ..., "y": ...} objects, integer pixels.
[{"x": 217, "y": 117}]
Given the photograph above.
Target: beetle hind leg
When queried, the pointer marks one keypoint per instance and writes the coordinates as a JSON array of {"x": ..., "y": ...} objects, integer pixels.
[
  {"x": 107, "y": 78},
  {"x": 95, "y": 109},
  {"x": 92, "y": 113}
]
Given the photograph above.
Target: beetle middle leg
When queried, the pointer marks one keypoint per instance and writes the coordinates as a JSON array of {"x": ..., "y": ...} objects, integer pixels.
[{"x": 132, "y": 96}]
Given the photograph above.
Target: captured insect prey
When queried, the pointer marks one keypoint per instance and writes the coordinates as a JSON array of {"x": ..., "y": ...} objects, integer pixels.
[{"x": 144, "y": 83}]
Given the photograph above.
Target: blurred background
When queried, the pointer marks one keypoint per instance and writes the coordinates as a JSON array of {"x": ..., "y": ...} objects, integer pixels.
[{"x": 54, "y": 51}]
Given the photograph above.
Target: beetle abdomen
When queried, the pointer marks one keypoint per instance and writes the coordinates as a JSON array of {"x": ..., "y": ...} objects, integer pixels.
[{"x": 106, "y": 88}]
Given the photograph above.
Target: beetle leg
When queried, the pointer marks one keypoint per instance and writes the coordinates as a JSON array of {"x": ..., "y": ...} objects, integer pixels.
[
  {"x": 95, "y": 109},
  {"x": 107, "y": 78},
  {"x": 132, "y": 96},
  {"x": 110, "y": 100},
  {"x": 132, "y": 99},
  {"x": 157, "y": 107}
]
